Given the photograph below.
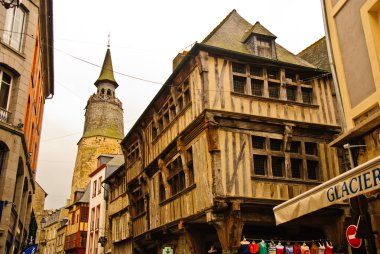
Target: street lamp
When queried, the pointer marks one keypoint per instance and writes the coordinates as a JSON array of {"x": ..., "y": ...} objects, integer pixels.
[{"x": 10, "y": 3}]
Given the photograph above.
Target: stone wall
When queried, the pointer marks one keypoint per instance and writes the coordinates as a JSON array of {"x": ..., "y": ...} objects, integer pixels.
[{"x": 89, "y": 150}]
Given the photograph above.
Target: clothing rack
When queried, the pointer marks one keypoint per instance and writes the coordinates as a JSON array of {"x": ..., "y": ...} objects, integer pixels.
[{"x": 284, "y": 240}]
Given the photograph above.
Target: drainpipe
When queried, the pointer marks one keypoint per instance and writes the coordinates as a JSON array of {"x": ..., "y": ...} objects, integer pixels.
[{"x": 332, "y": 67}]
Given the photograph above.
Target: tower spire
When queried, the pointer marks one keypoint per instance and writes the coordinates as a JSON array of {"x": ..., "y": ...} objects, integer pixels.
[
  {"x": 106, "y": 74},
  {"x": 109, "y": 40}
]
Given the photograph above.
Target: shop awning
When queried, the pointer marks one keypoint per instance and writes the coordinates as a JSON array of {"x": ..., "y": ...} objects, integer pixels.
[{"x": 362, "y": 179}]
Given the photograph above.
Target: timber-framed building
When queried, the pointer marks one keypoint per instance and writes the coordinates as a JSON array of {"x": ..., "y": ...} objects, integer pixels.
[{"x": 240, "y": 126}]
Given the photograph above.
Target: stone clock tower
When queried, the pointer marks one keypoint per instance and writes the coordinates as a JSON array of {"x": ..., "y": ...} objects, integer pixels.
[{"x": 103, "y": 127}]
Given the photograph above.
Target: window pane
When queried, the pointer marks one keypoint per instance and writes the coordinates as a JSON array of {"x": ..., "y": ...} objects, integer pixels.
[
  {"x": 296, "y": 168},
  {"x": 295, "y": 147},
  {"x": 291, "y": 93},
  {"x": 272, "y": 73},
  {"x": 257, "y": 87},
  {"x": 259, "y": 164},
  {"x": 312, "y": 167},
  {"x": 239, "y": 68},
  {"x": 277, "y": 166},
  {"x": 256, "y": 71},
  {"x": 258, "y": 142},
  {"x": 4, "y": 95},
  {"x": 239, "y": 84},
  {"x": 274, "y": 90},
  {"x": 311, "y": 148},
  {"x": 307, "y": 95},
  {"x": 276, "y": 144}
]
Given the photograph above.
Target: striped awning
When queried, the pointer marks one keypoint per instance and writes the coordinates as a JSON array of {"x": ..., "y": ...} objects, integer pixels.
[{"x": 359, "y": 180}]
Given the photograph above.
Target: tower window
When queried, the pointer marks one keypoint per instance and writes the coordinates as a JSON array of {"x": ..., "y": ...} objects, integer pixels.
[{"x": 109, "y": 92}]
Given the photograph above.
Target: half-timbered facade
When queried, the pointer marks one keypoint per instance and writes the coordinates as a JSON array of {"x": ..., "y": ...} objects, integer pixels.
[{"x": 241, "y": 125}]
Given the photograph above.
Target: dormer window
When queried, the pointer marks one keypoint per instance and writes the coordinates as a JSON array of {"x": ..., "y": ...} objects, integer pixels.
[{"x": 264, "y": 47}]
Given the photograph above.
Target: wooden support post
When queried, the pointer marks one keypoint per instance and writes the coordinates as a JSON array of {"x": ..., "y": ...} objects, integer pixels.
[
  {"x": 229, "y": 228},
  {"x": 193, "y": 240}
]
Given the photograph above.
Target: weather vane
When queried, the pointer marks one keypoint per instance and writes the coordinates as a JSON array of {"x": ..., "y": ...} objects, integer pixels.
[{"x": 109, "y": 39}]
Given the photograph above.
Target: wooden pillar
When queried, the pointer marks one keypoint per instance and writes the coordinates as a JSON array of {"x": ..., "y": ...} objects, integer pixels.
[
  {"x": 212, "y": 135},
  {"x": 229, "y": 227}
]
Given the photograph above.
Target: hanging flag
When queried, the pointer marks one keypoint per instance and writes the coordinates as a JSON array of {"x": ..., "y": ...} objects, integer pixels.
[{"x": 31, "y": 249}]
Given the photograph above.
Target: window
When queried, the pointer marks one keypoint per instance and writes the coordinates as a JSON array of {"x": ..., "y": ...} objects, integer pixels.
[
  {"x": 258, "y": 142},
  {"x": 100, "y": 185},
  {"x": 154, "y": 132},
  {"x": 291, "y": 92},
  {"x": 83, "y": 238},
  {"x": 3, "y": 154},
  {"x": 278, "y": 166},
  {"x": 162, "y": 189},
  {"x": 290, "y": 76},
  {"x": 273, "y": 73},
  {"x": 312, "y": 169},
  {"x": 190, "y": 165},
  {"x": 133, "y": 153},
  {"x": 269, "y": 158},
  {"x": 94, "y": 186},
  {"x": 239, "y": 84},
  {"x": 238, "y": 68},
  {"x": 276, "y": 144},
  {"x": 274, "y": 90},
  {"x": 177, "y": 176},
  {"x": 295, "y": 147},
  {"x": 307, "y": 95},
  {"x": 5, "y": 92},
  {"x": 256, "y": 71},
  {"x": 257, "y": 87},
  {"x": 138, "y": 202},
  {"x": 310, "y": 148},
  {"x": 259, "y": 164},
  {"x": 14, "y": 27},
  {"x": 296, "y": 167},
  {"x": 264, "y": 48},
  {"x": 84, "y": 214}
]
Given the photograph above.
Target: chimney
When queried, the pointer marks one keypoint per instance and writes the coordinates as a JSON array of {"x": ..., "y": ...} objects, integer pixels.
[{"x": 178, "y": 59}]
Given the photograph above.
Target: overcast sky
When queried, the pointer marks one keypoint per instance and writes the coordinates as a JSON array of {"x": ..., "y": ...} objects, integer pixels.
[{"x": 145, "y": 37}]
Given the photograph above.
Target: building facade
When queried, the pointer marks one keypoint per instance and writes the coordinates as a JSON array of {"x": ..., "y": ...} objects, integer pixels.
[
  {"x": 353, "y": 31},
  {"x": 119, "y": 230},
  {"x": 97, "y": 205},
  {"x": 240, "y": 126},
  {"x": 49, "y": 227},
  {"x": 26, "y": 69}
]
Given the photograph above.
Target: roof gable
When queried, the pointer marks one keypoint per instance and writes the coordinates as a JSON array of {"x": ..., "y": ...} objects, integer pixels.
[{"x": 233, "y": 30}]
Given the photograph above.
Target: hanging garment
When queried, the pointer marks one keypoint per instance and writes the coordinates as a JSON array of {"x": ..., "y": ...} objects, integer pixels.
[
  {"x": 314, "y": 249},
  {"x": 297, "y": 249},
  {"x": 263, "y": 248},
  {"x": 279, "y": 249},
  {"x": 272, "y": 249},
  {"x": 321, "y": 249},
  {"x": 329, "y": 249},
  {"x": 244, "y": 249},
  {"x": 305, "y": 249},
  {"x": 288, "y": 249},
  {"x": 254, "y": 248}
]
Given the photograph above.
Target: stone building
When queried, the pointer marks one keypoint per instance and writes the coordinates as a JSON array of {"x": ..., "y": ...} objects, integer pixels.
[
  {"x": 27, "y": 79},
  {"x": 38, "y": 204},
  {"x": 103, "y": 131},
  {"x": 240, "y": 126}
]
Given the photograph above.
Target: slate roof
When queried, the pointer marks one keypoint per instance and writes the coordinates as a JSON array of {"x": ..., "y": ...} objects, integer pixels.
[
  {"x": 317, "y": 54},
  {"x": 106, "y": 74},
  {"x": 231, "y": 33}
]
